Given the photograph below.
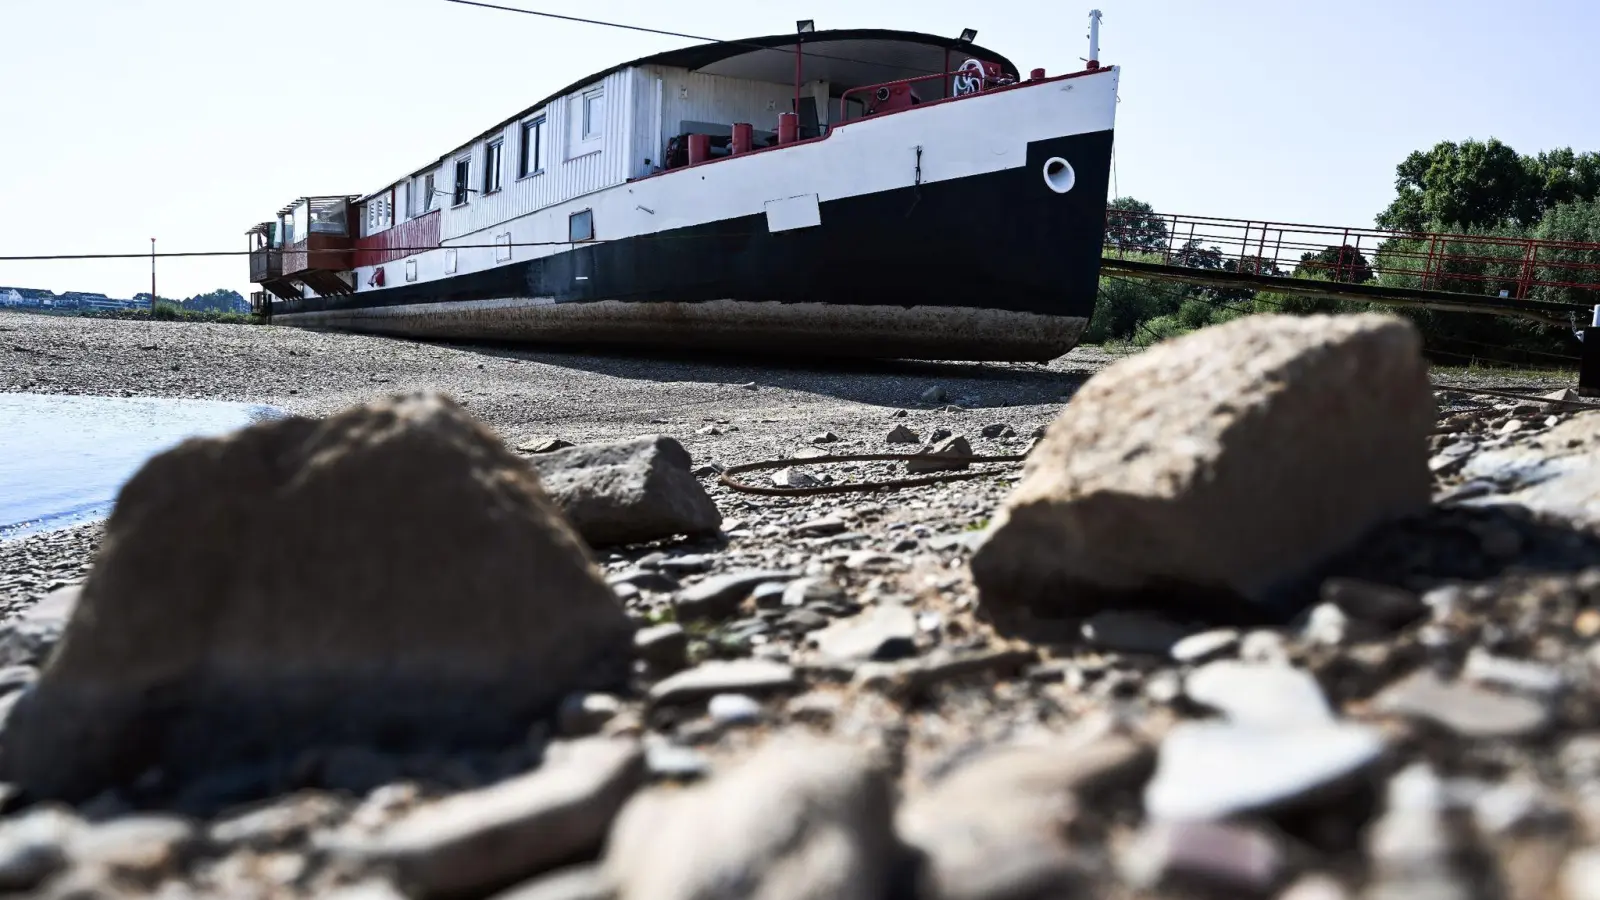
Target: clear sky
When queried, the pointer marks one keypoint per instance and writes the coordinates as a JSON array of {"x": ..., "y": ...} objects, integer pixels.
[{"x": 191, "y": 120}]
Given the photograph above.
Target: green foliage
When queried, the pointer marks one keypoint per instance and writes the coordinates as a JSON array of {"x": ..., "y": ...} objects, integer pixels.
[
  {"x": 1132, "y": 226},
  {"x": 1486, "y": 184},
  {"x": 1343, "y": 263}
]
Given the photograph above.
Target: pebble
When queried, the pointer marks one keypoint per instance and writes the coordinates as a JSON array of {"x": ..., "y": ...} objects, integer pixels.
[
  {"x": 33, "y": 847},
  {"x": 734, "y": 709},
  {"x": 882, "y": 633},
  {"x": 1203, "y": 855},
  {"x": 1205, "y": 646},
  {"x": 1379, "y": 604},
  {"x": 900, "y": 434},
  {"x": 807, "y": 591},
  {"x": 665, "y": 646},
  {"x": 998, "y": 431},
  {"x": 1213, "y": 770},
  {"x": 719, "y": 596},
  {"x": 587, "y": 713},
  {"x": 826, "y": 437},
  {"x": 745, "y": 676},
  {"x": 1133, "y": 632},
  {"x": 686, "y": 564},
  {"x": 1580, "y": 876},
  {"x": 794, "y": 478},
  {"x": 1265, "y": 694},
  {"x": 1515, "y": 674},
  {"x": 1466, "y": 709},
  {"x": 769, "y": 594},
  {"x": 673, "y": 761},
  {"x": 821, "y": 527}
]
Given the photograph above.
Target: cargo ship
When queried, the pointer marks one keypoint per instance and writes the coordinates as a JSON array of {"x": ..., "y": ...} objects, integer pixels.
[{"x": 858, "y": 192}]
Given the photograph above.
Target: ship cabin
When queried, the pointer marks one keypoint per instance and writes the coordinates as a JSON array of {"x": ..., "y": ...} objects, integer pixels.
[{"x": 526, "y": 187}]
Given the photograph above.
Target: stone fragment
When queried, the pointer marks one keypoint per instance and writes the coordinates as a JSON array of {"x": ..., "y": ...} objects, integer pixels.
[
  {"x": 588, "y": 881},
  {"x": 1214, "y": 770},
  {"x": 1205, "y": 646},
  {"x": 1421, "y": 846},
  {"x": 1555, "y": 472},
  {"x": 792, "y": 477},
  {"x": 437, "y": 599},
  {"x": 1226, "y": 461},
  {"x": 282, "y": 822},
  {"x": 1535, "y": 679},
  {"x": 734, "y": 709},
  {"x": 993, "y": 828},
  {"x": 1463, "y": 708},
  {"x": 806, "y": 591},
  {"x": 998, "y": 431},
  {"x": 743, "y": 676},
  {"x": 34, "y": 846},
  {"x": 1133, "y": 632},
  {"x": 884, "y": 632},
  {"x": 1263, "y": 694},
  {"x": 1234, "y": 859},
  {"x": 587, "y": 713},
  {"x": 935, "y": 394},
  {"x": 543, "y": 445},
  {"x": 1389, "y": 607},
  {"x": 719, "y": 596},
  {"x": 664, "y": 646},
  {"x": 145, "y": 846},
  {"x": 1580, "y": 876},
  {"x": 900, "y": 434},
  {"x": 821, "y": 527},
  {"x": 826, "y": 437},
  {"x": 627, "y": 492},
  {"x": 27, "y": 639},
  {"x": 673, "y": 761},
  {"x": 479, "y": 841},
  {"x": 927, "y": 458},
  {"x": 644, "y": 579},
  {"x": 802, "y": 819}
]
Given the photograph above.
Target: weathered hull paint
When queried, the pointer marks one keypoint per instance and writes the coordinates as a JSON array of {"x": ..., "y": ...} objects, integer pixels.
[{"x": 824, "y": 329}]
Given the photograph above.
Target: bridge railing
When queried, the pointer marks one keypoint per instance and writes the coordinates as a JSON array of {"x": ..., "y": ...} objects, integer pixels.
[{"x": 1492, "y": 265}]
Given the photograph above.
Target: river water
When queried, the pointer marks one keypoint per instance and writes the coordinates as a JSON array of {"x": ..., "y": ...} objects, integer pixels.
[{"x": 63, "y": 459}]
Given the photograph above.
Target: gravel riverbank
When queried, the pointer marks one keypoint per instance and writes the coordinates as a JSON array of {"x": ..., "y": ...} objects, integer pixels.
[{"x": 1427, "y": 723}]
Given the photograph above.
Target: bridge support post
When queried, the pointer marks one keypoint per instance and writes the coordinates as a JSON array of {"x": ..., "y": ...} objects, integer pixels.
[{"x": 1589, "y": 363}]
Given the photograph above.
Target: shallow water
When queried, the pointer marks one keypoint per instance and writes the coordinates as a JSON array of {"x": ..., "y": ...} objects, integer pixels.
[{"x": 63, "y": 459}]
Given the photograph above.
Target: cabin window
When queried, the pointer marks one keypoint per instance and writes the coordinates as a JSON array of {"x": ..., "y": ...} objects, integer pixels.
[
  {"x": 580, "y": 226},
  {"x": 422, "y": 194},
  {"x": 532, "y": 152},
  {"x": 594, "y": 114},
  {"x": 458, "y": 197},
  {"x": 491, "y": 165}
]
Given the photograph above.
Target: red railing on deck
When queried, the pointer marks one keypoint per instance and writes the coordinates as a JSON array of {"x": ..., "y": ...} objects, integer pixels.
[
  {"x": 1515, "y": 268},
  {"x": 421, "y": 233}
]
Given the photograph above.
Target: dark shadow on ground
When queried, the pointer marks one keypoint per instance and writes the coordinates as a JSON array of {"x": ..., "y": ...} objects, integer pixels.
[{"x": 893, "y": 383}]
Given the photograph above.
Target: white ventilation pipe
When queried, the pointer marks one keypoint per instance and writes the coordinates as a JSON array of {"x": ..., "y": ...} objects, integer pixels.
[{"x": 1094, "y": 38}]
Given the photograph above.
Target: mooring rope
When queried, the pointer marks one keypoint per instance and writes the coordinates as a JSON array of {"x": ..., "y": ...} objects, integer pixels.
[{"x": 728, "y": 479}]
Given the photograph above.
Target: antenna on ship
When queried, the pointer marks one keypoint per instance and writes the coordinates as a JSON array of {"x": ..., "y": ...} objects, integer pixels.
[{"x": 1094, "y": 39}]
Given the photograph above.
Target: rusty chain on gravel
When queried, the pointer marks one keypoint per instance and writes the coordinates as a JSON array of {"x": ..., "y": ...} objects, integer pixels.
[{"x": 728, "y": 479}]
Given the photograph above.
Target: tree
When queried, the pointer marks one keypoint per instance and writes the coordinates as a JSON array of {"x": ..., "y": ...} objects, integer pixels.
[
  {"x": 219, "y": 300},
  {"x": 1132, "y": 225},
  {"x": 1486, "y": 184},
  {"x": 1344, "y": 263}
]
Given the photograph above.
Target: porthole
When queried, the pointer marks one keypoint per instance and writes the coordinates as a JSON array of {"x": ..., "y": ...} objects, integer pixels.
[{"x": 1058, "y": 175}]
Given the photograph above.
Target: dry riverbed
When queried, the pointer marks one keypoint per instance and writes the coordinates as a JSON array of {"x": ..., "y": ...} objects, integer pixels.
[{"x": 1334, "y": 770}]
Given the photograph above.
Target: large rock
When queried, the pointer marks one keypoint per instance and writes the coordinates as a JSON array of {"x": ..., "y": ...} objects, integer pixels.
[
  {"x": 803, "y": 819},
  {"x": 1228, "y": 461},
  {"x": 391, "y": 577},
  {"x": 630, "y": 491}
]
